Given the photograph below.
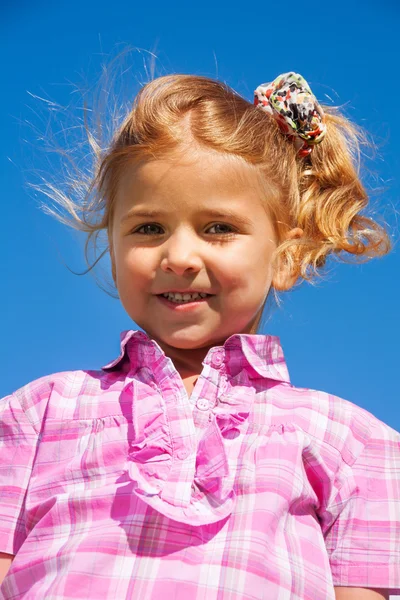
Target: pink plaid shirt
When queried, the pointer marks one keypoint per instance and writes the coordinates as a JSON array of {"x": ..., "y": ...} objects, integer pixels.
[{"x": 114, "y": 484}]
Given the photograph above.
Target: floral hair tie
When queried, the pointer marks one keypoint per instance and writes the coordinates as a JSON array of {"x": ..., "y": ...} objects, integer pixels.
[{"x": 291, "y": 102}]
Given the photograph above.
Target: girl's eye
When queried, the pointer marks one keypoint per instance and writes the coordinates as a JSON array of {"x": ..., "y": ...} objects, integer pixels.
[
  {"x": 231, "y": 230},
  {"x": 147, "y": 225}
]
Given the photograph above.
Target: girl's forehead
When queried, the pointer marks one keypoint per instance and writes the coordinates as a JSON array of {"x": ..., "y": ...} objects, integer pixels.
[{"x": 187, "y": 177}]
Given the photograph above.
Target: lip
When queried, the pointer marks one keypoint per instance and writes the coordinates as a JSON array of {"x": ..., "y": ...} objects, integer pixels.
[
  {"x": 184, "y": 292},
  {"x": 183, "y": 307}
]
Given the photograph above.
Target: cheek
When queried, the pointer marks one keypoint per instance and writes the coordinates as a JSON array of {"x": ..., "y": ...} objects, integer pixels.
[
  {"x": 251, "y": 263},
  {"x": 132, "y": 263}
]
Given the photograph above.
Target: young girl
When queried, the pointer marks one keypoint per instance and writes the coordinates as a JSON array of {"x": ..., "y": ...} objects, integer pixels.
[{"x": 189, "y": 467}]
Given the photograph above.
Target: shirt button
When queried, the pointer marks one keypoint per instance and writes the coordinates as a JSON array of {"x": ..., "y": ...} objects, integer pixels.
[
  {"x": 202, "y": 404},
  {"x": 217, "y": 359},
  {"x": 182, "y": 454}
]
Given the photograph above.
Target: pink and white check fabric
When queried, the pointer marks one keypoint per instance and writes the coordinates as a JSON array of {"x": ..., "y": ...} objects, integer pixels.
[{"x": 115, "y": 484}]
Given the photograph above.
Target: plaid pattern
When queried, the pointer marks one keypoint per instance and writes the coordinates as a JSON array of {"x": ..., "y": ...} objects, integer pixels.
[{"x": 114, "y": 484}]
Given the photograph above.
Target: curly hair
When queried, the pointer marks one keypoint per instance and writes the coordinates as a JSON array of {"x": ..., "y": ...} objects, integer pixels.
[{"x": 322, "y": 194}]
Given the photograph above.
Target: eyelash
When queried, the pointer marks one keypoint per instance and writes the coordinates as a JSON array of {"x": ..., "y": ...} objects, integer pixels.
[{"x": 232, "y": 232}]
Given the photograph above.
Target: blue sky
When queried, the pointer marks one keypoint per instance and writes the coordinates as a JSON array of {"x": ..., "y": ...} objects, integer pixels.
[{"x": 341, "y": 335}]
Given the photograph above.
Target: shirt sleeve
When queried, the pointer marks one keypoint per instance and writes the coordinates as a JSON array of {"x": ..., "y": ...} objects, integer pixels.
[
  {"x": 361, "y": 526},
  {"x": 18, "y": 442}
]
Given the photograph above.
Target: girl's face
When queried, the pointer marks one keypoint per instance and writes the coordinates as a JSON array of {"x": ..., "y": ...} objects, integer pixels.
[{"x": 206, "y": 230}]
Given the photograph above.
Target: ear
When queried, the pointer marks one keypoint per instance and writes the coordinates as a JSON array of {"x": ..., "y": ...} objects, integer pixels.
[{"x": 283, "y": 278}]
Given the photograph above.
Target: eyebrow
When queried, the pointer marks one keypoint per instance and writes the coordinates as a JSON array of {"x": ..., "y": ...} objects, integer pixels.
[{"x": 222, "y": 214}]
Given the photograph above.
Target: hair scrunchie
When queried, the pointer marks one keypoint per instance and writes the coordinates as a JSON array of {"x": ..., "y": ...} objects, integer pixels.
[{"x": 291, "y": 102}]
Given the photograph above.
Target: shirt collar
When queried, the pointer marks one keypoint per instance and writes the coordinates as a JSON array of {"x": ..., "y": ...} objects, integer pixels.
[{"x": 263, "y": 353}]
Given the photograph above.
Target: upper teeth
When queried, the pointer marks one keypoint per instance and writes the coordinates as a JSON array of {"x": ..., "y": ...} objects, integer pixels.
[{"x": 178, "y": 296}]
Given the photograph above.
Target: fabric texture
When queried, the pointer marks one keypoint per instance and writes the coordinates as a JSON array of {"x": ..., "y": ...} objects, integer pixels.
[
  {"x": 115, "y": 484},
  {"x": 290, "y": 101}
]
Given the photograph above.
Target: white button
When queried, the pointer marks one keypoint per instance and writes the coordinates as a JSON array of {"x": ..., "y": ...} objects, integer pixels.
[
  {"x": 217, "y": 359},
  {"x": 202, "y": 404},
  {"x": 182, "y": 454}
]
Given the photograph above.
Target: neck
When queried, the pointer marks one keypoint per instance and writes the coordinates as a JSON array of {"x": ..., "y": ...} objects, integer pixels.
[{"x": 187, "y": 361}]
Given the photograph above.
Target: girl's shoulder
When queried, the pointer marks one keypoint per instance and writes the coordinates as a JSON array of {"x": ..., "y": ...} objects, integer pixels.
[
  {"x": 339, "y": 423},
  {"x": 66, "y": 395}
]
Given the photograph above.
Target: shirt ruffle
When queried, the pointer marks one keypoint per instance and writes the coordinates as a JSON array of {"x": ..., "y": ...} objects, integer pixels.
[
  {"x": 200, "y": 493},
  {"x": 178, "y": 462}
]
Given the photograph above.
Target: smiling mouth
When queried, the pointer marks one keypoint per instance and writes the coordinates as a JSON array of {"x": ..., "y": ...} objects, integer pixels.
[
  {"x": 182, "y": 293},
  {"x": 197, "y": 299}
]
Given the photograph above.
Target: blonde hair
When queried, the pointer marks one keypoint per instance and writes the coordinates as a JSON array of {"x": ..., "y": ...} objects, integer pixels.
[{"x": 322, "y": 194}]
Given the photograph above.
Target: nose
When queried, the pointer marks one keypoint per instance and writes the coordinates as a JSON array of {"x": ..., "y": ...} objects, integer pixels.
[{"x": 181, "y": 253}]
